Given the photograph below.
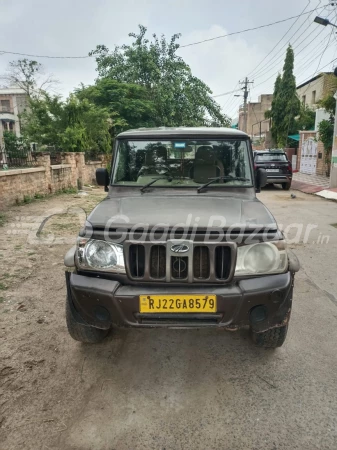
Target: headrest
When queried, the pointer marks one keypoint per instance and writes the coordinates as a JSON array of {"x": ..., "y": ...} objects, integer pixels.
[{"x": 205, "y": 154}]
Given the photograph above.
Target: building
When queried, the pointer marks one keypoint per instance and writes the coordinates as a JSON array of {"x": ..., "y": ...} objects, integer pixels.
[
  {"x": 313, "y": 90},
  {"x": 13, "y": 102},
  {"x": 257, "y": 124}
]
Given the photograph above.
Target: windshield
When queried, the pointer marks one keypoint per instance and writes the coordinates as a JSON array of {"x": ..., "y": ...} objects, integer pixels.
[
  {"x": 182, "y": 163},
  {"x": 266, "y": 157}
]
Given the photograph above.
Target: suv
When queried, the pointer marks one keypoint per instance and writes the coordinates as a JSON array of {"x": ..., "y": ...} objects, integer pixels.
[
  {"x": 277, "y": 166},
  {"x": 181, "y": 241}
]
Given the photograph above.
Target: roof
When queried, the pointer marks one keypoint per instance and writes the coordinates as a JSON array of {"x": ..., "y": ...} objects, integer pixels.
[
  {"x": 11, "y": 90},
  {"x": 270, "y": 150},
  {"x": 183, "y": 131},
  {"x": 294, "y": 137},
  {"x": 313, "y": 79}
]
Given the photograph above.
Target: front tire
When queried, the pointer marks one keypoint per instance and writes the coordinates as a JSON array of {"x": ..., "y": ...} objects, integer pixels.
[
  {"x": 286, "y": 186},
  {"x": 271, "y": 338},
  {"x": 83, "y": 333}
]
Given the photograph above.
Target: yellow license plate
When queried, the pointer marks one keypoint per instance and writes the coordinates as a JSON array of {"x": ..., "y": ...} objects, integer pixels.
[{"x": 177, "y": 303}]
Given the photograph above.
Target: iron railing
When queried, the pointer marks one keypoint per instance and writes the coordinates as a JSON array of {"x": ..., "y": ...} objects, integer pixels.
[
  {"x": 17, "y": 158},
  {"x": 55, "y": 155},
  {"x": 6, "y": 109}
]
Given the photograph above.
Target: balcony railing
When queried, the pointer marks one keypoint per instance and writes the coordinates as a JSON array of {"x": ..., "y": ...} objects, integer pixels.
[{"x": 6, "y": 109}]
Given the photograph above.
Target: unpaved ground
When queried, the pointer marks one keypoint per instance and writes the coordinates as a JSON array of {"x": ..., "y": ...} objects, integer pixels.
[{"x": 161, "y": 389}]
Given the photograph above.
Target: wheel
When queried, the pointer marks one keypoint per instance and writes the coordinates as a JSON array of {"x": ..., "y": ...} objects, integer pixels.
[
  {"x": 272, "y": 338},
  {"x": 82, "y": 333},
  {"x": 286, "y": 186}
]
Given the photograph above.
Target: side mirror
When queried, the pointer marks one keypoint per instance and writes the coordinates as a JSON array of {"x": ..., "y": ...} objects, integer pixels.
[
  {"x": 102, "y": 178},
  {"x": 261, "y": 179}
]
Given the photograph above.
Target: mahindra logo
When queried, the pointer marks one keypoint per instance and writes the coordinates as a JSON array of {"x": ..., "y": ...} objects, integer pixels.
[{"x": 180, "y": 248}]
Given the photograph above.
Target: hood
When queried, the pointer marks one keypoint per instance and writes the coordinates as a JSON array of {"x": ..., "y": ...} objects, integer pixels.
[{"x": 167, "y": 211}]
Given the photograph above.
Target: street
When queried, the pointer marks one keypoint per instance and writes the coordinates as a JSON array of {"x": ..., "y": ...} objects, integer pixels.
[{"x": 164, "y": 389}]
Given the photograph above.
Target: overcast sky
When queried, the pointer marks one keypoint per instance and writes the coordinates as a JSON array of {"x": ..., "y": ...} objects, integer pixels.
[{"x": 74, "y": 27}]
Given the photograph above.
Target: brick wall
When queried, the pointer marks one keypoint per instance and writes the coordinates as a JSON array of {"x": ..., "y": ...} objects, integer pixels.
[
  {"x": 321, "y": 166},
  {"x": 45, "y": 179}
]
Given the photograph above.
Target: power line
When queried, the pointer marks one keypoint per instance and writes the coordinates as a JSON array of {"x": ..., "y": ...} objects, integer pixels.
[
  {"x": 4, "y": 52},
  {"x": 233, "y": 104},
  {"x": 317, "y": 71},
  {"x": 279, "y": 55},
  {"x": 229, "y": 99},
  {"x": 271, "y": 51},
  {"x": 246, "y": 30},
  {"x": 279, "y": 59},
  {"x": 261, "y": 72},
  {"x": 226, "y": 93},
  {"x": 307, "y": 64}
]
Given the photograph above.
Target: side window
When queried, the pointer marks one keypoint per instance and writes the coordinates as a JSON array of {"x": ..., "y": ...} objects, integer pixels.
[
  {"x": 121, "y": 162},
  {"x": 5, "y": 105},
  {"x": 313, "y": 97}
]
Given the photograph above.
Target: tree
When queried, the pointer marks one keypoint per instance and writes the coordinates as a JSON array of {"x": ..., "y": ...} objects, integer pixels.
[
  {"x": 15, "y": 147},
  {"x": 325, "y": 131},
  {"x": 305, "y": 120},
  {"x": 286, "y": 104},
  {"x": 28, "y": 75},
  {"x": 129, "y": 105},
  {"x": 71, "y": 125},
  {"x": 276, "y": 112},
  {"x": 179, "y": 98}
]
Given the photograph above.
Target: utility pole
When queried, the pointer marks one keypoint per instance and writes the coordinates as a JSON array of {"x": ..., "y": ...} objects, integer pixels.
[{"x": 245, "y": 89}]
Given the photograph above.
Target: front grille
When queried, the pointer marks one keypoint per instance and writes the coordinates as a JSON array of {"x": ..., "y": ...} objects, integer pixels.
[
  {"x": 158, "y": 261},
  {"x": 179, "y": 267},
  {"x": 222, "y": 262},
  {"x": 200, "y": 263},
  {"x": 137, "y": 260}
]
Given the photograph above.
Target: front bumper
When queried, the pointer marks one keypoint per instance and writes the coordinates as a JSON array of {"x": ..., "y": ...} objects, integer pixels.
[
  {"x": 272, "y": 178},
  {"x": 102, "y": 303}
]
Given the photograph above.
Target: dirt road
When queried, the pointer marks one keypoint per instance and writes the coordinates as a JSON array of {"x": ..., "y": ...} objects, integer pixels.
[{"x": 161, "y": 389}]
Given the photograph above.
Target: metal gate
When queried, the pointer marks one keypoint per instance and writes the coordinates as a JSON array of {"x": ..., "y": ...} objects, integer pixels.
[{"x": 309, "y": 156}]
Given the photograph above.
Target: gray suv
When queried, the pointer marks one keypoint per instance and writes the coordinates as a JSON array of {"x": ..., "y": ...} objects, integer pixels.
[{"x": 181, "y": 241}]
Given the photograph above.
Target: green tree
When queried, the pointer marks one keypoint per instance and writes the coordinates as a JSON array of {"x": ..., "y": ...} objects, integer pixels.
[
  {"x": 71, "y": 125},
  {"x": 15, "y": 147},
  {"x": 286, "y": 104},
  {"x": 326, "y": 127},
  {"x": 325, "y": 131},
  {"x": 275, "y": 113},
  {"x": 305, "y": 120},
  {"x": 179, "y": 98},
  {"x": 129, "y": 105}
]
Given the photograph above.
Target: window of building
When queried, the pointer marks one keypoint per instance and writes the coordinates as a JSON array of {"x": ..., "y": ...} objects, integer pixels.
[
  {"x": 313, "y": 97},
  {"x": 304, "y": 99},
  {"x": 5, "y": 105}
]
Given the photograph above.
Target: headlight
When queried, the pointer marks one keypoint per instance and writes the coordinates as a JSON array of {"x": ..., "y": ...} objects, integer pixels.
[
  {"x": 263, "y": 258},
  {"x": 100, "y": 255}
]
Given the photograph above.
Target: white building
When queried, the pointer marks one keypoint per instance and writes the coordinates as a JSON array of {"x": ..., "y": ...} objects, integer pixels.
[{"x": 13, "y": 101}]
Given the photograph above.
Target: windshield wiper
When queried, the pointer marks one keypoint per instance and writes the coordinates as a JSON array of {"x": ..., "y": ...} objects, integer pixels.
[
  {"x": 168, "y": 178},
  {"x": 226, "y": 178}
]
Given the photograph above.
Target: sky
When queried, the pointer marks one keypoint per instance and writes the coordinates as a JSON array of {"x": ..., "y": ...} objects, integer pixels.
[{"x": 73, "y": 28}]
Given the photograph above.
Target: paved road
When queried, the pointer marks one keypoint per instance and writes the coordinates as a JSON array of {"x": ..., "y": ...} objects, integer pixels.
[{"x": 199, "y": 389}]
